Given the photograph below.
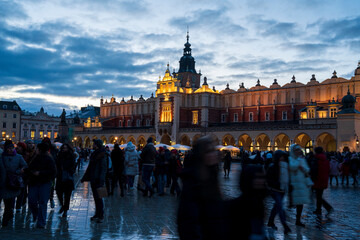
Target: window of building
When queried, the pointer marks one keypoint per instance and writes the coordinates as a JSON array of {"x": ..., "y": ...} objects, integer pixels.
[
  {"x": 195, "y": 117},
  {"x": 267, "y": 116},
  {"x": 251, "y": 117},
  {"x": 41, "y": 134},
  {"x": 14, "y": 125},
  {"x": 15, "y": 107},
  {"x": 49, "y": 134},
  {"x": 5, "y": 115},
  {"x": 25, "y": 133},
  {"x": 166, "y": 115},
  {"x": 13, "y": 135},
  {"x": 147, "y": 122},
  {"x": 223, "y": 118},
  {"x": 4, "y": 106},
  {"x": 120, "y": 123},
  {"x": 236, "y": 117},
  {"x": 32, "y": 134},
  {"x": 3, "y": 134},
  {"x": 332, "y": 112},
  {"x": 14, "y": 115},
  {"x": 55, "y": 134},
  {"x": 138, "y": 123},
  {"x": 129, "y": 123},
  {"x": 284, "y": 115},
  {"x": 4, "y": 124},
  {"x": 311, "y": 113}
]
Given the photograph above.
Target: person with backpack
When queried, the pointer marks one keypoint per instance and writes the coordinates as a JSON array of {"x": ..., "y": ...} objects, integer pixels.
[{"x": 14, "y": 166}]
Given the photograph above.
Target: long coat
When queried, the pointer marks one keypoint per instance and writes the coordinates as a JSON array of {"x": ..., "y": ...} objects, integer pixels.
[
  {"x": 12, "y": 164},
  {"x": 65, "y": 162},
  {"x": 131, "y": 161},
  {"x": 300, "y": 193},
  {"x": 334, "y": 167},
  {"x": 322, "y": 178},
  {"x": 97, "y": 169}
]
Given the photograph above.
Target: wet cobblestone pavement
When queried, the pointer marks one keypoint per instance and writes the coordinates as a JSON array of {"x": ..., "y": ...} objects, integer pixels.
[{"x": 135, "y": 217}]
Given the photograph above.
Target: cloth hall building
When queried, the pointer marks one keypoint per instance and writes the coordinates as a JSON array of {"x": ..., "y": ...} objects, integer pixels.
[{"x": 318, "y": 113}]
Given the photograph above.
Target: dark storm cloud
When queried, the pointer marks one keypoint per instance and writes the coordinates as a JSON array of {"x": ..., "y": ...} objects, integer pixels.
[{"x": 273, "y": 28}]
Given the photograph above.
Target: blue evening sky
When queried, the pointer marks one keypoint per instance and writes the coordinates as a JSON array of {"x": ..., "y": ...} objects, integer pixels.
[{"x": 68, "y": 53}]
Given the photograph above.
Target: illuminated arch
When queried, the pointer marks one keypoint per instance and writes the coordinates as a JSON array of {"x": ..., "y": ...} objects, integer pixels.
[
  {"x": 228, "y": 140},
  {"x": 121, "y": 140},
  {"x": 141, "y": 142},
  {"x": 263, "y": 142},
  {"x": 304, "y": 141},
  {"x": 131, "y": 139},
  {"x": 282, "y": 142},
  {"x": 166, "y": 139},
  {"x": 103, "y": 138},
  {"x": 185, "y": 140},
  {"x": 87, "y": 142},
  {"x": 245, "y": 142},
  {"x": 327, "y": 142}
]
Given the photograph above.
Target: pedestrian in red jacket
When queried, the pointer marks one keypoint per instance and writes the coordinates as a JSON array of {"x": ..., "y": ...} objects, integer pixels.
[{"x": 321, "y": 180}]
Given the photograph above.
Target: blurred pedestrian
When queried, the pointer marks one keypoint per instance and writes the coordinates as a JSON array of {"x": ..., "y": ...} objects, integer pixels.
[
  {"x": 201, "y": 209},
  {"x": 42, "y": 172},
  {"x": 299, "y": 192},
  {"x": 321, "y": 182},
  {"x": 21, "y": 199},
  {"x": 131, "y": 164},
  {"x": 14, "y": 166},
  {"x": 175, "y": 169},
  {"x": 160, "y": 170},
  {"x": 354, "y": 168},
  {"x": 54, "y": 152},
  {"x": 345, "y": 170},
  {"x": 117, "y": 158},
  {"x": 66, "y": 166},
  {"x": 95, "y": 174},
  {"x": 278, "y": 181}
]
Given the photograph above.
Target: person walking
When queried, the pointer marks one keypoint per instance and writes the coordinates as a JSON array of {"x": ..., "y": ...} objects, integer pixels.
[
  {"x": 42, "y": 172},
  {"x": 321, "y": 181},
  {"x": 345, "y": 170},
  {"x": 21, "y": 199},
  {"x": 175, "y": 168},
  {"x": 148, "y": 156},
  {"x": 131, "y": 164},
  {"x": 66, "y": 166},
  {"x": 299, "y": 181},
  {"x": 354, "y": 168},
  {"x": 334, "y": 170},
  {"x": 14, "y": 166},
  {"x": 95, "y": 174},
  {"x": 117, "y": 158},
  {"x": 278, "y": 181},
  {"x": 227, "y": 164},
  {"x": 201, "y": 212},
  {"x": 160, "y": 170}
]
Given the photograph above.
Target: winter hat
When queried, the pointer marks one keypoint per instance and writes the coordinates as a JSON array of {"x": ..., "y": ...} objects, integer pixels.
[
  {"x": 22, "y": 145},
  {"x": 43, "y": 147},
  {"x": 161, "y": 149},
  {"x": 8, "y": 144},
  {"x": 150, "y": 140},
  {"x": 98, "y": 143},
  {"x": 174, "y": 151}
]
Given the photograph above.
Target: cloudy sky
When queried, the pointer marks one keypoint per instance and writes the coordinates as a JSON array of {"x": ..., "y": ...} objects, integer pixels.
[{"x": 68, "y": 53}]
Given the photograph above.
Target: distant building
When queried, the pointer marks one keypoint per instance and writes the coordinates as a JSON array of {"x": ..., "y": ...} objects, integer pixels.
[
  {"x": 10, "y": 120},
  {"x": 38, "y": 125},
  {"x": 87, "y": 116},
  {"x": 255, "y": 118}
]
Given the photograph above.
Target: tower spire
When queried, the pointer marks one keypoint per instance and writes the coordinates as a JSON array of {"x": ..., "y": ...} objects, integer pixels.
[{"x": 187, "y": 35}]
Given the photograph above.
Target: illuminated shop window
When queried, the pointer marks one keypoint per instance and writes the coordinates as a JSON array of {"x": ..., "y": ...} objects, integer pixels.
[
  {"x": 32, "y": 134},
  {"x": 3, "y": 134},
  {"x": 41, "y": 133},
  {"x": 195, "y": 117},
  {"x": 13, "y": 135},
  {"x": 49, "y": 134}
]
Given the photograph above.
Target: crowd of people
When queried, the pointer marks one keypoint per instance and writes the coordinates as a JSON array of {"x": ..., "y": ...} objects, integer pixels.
[{"x": 31, "y": 173}]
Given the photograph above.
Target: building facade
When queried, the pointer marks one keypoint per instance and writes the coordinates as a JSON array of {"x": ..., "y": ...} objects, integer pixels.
[
  {"x": 38, "y": 125},
  {"x": 255, "y": 118},
  {"x": 10, "y": 120}
]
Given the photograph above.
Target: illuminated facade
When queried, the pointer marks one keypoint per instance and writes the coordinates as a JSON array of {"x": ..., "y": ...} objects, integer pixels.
[{"x": 259, "y": 117}]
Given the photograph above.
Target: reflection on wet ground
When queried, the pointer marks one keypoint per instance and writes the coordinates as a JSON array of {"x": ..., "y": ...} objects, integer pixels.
[{"x": 135, "y": 217}]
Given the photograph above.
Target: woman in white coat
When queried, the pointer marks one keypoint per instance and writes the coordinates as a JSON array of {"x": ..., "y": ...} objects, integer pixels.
[
  {"x": 299, "y": 192},
  {"x": 131, "y": 163}
]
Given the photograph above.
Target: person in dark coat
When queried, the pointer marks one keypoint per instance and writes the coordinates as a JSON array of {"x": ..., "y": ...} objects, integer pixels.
[
  {"x": 95, "y": 174},
  {"x": 41, "y": 172},
  {"x": 117, "y": 158},
  {"x": 160, "y": 170},
  {"x": 321, "y": 181},
  {"x": 227, "y": 164},
  {"x": 21, "y": 199},
  {"x": 354, "y": 168},
  {"x": 65, "y": 164},
  {"x": 175, "y": 168},
  {"x": 201, "y": 209},
  {"x": 246, "y": 213},
  {"x": 148, "y": 156},
  {"x": 14, "y": 165}
]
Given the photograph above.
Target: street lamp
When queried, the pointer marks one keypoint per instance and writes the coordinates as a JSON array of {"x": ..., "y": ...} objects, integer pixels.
[
  {"x": 116, "y": 138},
  {"x": 357, "y": 141}
]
